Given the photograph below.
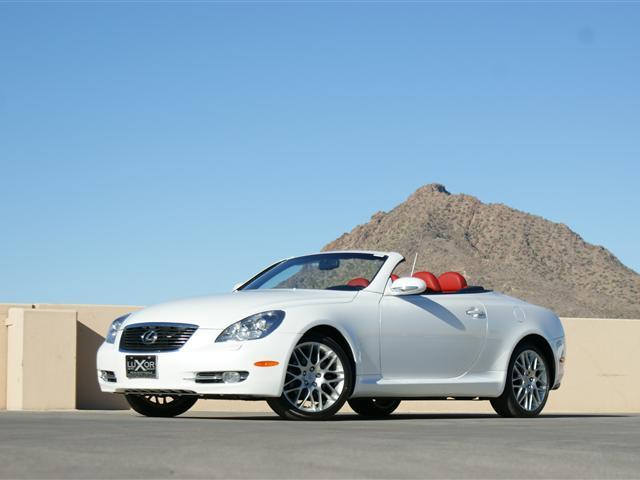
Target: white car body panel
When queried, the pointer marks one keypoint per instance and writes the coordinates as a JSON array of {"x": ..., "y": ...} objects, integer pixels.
[
  {"x": 412, "y": 346},
  {"x": 430, "y": 336}
]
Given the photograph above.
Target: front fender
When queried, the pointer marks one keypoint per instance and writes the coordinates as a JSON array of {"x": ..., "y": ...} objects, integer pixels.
[{"x": 358, "y": 322}]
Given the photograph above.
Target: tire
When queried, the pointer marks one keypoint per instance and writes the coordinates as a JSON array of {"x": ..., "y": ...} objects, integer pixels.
[
  {"x": 160, "y": 405},
  {"x": 374, "y": 407},
  {"x": 526, "y": 387},
  {"x": 326, "y": 368}
]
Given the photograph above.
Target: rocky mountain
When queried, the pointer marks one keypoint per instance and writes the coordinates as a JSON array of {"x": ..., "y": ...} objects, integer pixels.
[{"x": 504, "y": 249}]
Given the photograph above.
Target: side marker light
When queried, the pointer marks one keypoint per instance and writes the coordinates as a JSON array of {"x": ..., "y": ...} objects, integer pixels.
[{"x": 266, "y": 363}]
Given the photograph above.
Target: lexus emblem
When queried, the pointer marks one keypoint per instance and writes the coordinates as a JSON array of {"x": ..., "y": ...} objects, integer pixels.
[{"x": 149, "y": 337}]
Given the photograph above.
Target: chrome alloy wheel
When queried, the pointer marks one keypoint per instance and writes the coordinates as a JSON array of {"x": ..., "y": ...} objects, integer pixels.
[
  {"x": 529, "y": 380},
  {"x": 315, "y": 377}
]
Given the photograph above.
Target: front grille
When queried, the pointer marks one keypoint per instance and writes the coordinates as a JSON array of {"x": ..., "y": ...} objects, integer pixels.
[{"x": 156, "y": 337}]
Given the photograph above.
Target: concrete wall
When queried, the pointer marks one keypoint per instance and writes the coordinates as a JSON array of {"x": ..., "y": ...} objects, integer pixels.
[
  {"x": 93, "y": 322},
  {"x": 4, "y": 313},
  {"x": 601, "y": 374},
  {"x": 90, "y": 323},
  {"x": 41, "y": 351}
]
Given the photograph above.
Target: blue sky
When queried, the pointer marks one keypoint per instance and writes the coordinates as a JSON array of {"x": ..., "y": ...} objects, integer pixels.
[{"x": 153, "y": 151}]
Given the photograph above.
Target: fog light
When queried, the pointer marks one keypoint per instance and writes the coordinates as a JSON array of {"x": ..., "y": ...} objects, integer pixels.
[
  {"x": 221, "y": 377},
  {"x": 231, "y": 377},
  {"x": 107, "y": 376}
]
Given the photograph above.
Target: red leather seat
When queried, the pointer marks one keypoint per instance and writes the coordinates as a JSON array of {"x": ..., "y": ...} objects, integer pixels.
[
  {"x": 433, "y": 285},
  {"x": 452, "y": 282},
  {"x": 394, "y": 277},
  {"x": 358, "y": 282}
]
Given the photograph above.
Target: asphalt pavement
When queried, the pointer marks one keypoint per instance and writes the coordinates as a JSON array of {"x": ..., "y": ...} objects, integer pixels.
[{"x": 228, "y": 445}]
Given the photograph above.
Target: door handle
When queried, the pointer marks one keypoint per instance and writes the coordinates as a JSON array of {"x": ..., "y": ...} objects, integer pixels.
[{"x": 475, "y": 312}]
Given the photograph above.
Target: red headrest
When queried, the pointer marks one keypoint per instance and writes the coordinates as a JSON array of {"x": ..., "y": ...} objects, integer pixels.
[
  {"x": 452, "y": 282},
  {"x": 394, "y": 277},
  {"x": 358, "y": 282},
  {"x": 430, "y": 279}
]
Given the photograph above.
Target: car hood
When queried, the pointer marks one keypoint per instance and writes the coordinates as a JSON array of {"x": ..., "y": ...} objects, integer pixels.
[{"x": 220, "y": 311}]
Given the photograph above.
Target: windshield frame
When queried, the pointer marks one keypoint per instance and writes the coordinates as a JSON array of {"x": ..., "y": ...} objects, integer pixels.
[{"x": 273, "y": 270}]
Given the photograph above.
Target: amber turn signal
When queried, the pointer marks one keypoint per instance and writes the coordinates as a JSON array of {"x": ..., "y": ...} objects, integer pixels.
[{"x": 266, "y": 363}]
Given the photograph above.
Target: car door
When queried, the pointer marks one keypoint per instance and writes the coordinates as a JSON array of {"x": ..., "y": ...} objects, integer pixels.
[{"x": 430, "y": 336}]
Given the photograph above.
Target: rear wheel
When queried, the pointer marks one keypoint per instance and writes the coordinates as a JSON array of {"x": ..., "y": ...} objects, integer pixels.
[
  {"x": 374, "y": 407},
  {"x": 318, "y": 381},
  {"x": 526, "y": 389},
  {"x": 160, "y": 405}
]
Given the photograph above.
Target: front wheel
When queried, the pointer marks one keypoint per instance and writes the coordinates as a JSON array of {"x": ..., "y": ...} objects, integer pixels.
[
  {"x": 318, "y": 381},
  {"x": 160, "y": 405},
  {"x": 526, "y": 388},
  {"x": 374, "y": 407}
]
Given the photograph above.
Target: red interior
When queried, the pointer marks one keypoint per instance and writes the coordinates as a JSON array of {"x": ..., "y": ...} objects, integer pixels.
[
  {"x": 448, "y": 282},
  {"x": 430, "y": 279},
  {"x": 358, "y": 282},
  {"x": 452, "y": 282}
]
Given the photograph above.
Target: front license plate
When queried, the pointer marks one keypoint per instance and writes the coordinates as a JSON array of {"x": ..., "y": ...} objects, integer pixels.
[{"x": 142, "y": 366}]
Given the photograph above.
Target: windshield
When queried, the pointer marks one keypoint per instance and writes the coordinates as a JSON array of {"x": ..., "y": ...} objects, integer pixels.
[{"x": 329, "y": 271}]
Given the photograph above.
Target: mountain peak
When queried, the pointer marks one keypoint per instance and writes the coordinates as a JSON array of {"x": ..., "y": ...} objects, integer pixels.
[{"x": 432, "y": 188}]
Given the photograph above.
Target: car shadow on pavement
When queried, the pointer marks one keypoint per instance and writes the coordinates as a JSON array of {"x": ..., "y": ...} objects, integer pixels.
[{"x": 399, "y": 416}]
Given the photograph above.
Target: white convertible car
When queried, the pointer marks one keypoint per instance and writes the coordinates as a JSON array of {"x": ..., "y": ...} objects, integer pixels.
[{"x": 308, "y": 334}]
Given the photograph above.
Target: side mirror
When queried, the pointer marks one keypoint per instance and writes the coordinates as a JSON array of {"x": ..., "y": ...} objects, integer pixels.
[{"x": 408, "y": 286}]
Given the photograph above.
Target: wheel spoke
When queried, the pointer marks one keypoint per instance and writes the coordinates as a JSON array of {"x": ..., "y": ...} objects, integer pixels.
[
  {"x": 298, "y": 363},
  {"x": 326, "y": 355},
  {"x": 335, "y": 394},
  {"x": 332, "y": 362},
  {"x": 318, "y": 353},
  {"x": 538, "y": 396},
  {"x": 308, "y": 396},
  {"x": 320, "y": 407},
  {"x": 306, "y": 354},
  {"x": 334, "y": 380}
]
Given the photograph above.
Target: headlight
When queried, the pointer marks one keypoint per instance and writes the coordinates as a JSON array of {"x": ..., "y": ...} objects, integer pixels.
[
  {"x": 115, "y": 326},
  {"x": 252, "y": 328}
]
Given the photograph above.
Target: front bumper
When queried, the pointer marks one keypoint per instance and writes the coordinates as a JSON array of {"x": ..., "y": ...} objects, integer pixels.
[{"x": 176, "y": 370}]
